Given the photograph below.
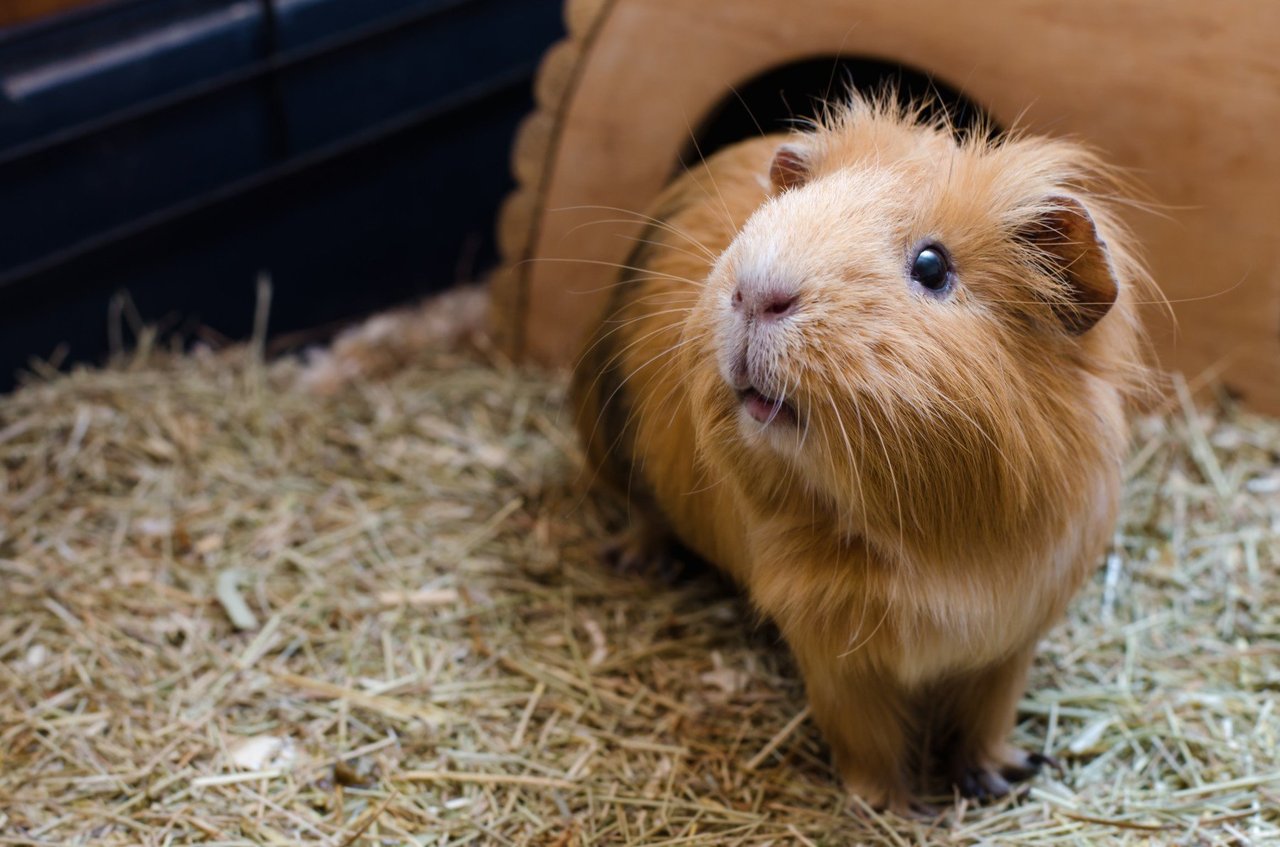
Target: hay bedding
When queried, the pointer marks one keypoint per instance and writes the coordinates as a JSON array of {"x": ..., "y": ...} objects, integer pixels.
[{"x": 235, "y": 613}]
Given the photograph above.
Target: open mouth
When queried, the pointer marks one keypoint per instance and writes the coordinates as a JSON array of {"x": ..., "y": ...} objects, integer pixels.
[{"x": 767, "y": 410}]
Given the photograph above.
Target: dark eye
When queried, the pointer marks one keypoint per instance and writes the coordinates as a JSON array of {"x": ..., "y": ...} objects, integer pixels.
[{"x": 931, "y": 268}]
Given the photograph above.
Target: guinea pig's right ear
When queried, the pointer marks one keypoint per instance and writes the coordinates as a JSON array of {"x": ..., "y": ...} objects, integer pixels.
[
  {"x": 790, "y": 167},
  {"x": 1065, "y": 236}
]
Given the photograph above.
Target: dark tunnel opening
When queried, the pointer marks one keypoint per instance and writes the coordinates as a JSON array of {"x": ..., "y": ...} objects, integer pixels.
[{"x": 777, "y": 100}]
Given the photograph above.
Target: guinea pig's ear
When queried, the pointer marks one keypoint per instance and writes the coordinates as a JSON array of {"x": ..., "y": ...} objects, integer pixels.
[
  {"x": 790, "y": 167},
  {"x": 1065, "y": 235}
]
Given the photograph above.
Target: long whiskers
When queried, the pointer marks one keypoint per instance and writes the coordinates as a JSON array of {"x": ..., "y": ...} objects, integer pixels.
[
  {"x": 890, "y": 470},
  {"x": 703, "y": 252},
  {"x": 638, "y": 410},
  {"x": 888, "y": 606},
  {"x": 605, "y": 404},
  {"x": 617, "y": 265},
  {"x": 667, "y": 351},
  {"x": 724, "y": 206},
  {"x": 618, "y": 325},
  {"x": 641, "y": 217}
]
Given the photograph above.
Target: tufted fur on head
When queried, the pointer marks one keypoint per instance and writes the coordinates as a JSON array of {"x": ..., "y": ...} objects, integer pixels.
[{"x": 911, "y": 479}]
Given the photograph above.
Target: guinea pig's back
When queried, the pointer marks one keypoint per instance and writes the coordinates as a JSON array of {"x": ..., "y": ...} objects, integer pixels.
[{"x": 630, "y": 399}]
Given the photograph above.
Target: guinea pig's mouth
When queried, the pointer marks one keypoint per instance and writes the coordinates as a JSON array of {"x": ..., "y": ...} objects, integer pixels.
[{"x": 767, "y": 410}]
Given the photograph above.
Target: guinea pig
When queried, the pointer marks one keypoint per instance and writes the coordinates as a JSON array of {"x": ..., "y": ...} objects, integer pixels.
[{"x": 879, "y": 373}]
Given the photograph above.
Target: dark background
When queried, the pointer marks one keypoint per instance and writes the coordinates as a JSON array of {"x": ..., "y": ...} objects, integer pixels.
[{"x": 355, "y": 150}]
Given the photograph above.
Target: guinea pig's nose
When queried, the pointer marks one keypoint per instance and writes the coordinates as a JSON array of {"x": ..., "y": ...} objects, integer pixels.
[{"x": 766, "y": 304}]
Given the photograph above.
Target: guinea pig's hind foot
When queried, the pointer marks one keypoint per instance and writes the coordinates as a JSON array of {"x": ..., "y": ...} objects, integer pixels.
[
  {"x": 641, "y": 550},
  {"x": 877, "y": 801}
]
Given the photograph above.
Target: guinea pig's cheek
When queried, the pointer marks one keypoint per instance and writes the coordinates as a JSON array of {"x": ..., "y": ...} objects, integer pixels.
[
  {"x": 731, "y": 347},
  {"x": 730, "y": 365}
]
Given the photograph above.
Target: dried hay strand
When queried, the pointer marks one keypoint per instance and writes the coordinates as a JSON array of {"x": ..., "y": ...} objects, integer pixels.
[{"x": 237, "y": 613}]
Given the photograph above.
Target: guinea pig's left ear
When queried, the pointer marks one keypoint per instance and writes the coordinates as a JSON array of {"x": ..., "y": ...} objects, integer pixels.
[
  {"x": 1064, "y": 233},
  {"x": 790, "y": 166}
]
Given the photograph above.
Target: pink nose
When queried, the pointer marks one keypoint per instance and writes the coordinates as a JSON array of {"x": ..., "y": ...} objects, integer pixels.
[{"x": 767, "y": 304}]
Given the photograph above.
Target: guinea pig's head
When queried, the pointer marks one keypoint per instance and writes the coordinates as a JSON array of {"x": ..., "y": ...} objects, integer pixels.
[{"x": 927, "y": 335}]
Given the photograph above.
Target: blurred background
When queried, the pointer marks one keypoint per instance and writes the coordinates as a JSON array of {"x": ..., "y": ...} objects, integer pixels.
[{"x": 354, "y": 150}]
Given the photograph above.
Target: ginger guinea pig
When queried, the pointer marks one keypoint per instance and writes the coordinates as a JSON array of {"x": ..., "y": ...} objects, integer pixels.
[{"x": 879, "y": 375}]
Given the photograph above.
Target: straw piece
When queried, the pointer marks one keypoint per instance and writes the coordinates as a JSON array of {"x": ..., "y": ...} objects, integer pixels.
[
  {"x": 776, "y": 741},
  {"x": 228, "y": 593},
  {"x": 423, "y": 597},
  {"x": 233, "y": 778},
  {"x": 366, "y": 820},
  {"x": 484, "y": 778},
  {"x": 384, "y": 705}
]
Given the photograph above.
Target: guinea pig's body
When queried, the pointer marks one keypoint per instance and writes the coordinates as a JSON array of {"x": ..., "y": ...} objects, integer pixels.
[{"x": 879, "y": 376}]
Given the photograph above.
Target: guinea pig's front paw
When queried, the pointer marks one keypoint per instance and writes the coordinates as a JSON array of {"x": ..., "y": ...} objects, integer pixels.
[
  {"x": 991, "y": 777},
  {"x": 980, "y": 781},
  {"x": 1019, "y": 765}
]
